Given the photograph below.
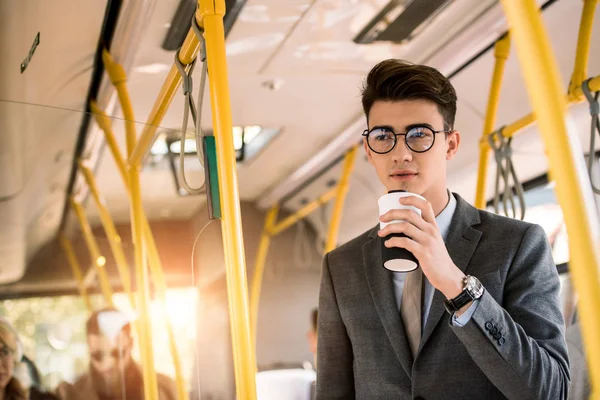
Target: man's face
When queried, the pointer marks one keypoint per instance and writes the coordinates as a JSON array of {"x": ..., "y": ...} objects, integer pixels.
[
  {"x": 403, "y": 169},
  {"x": 108, "y": 359}
]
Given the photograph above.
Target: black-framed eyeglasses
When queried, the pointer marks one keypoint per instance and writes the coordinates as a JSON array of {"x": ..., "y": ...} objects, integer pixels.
[{"x": 419, "y": 139}]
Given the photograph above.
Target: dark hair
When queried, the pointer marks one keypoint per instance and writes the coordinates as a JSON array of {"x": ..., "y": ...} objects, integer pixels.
[
  {"x": 396, "y": 80},
  {"x": 92, "y": 326},
  {"x": 313, "y": 318}
]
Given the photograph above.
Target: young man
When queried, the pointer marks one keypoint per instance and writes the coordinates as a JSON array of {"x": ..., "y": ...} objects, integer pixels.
[
  {"x": 113, "y": 374},
  {"x": 501, "y": 336}
]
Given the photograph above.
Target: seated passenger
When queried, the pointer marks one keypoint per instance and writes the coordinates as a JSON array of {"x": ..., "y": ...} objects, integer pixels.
[
  {"x": 11, "y": 355},
  {"x": 311, "y": 335},
  {"x": 112, "y": 374}
]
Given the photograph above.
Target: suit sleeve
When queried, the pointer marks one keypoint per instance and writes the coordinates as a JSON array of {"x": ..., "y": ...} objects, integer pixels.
[
  {"x": 335, "y": 375},
  {"x": 520, "y": 346}
]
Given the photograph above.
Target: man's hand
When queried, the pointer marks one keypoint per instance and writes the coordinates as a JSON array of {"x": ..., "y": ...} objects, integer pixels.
[{"x": 426, "y": 243}]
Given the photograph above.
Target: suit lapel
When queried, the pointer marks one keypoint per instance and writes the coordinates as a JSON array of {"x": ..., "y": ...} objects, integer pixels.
[
  {"x": 382, "y": 290},
  {"x": 461, "y": 244}
]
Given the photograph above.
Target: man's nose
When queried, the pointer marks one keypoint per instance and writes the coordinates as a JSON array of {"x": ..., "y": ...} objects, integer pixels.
[{"x": 401, "y": 152}]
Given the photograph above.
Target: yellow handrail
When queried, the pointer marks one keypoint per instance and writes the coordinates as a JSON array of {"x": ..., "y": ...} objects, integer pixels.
[
  {"x": 259, "y": 269},
  {"x": 501, "y": 52},
  {"x": 98, "y": 260},
  {"x": 543, "y": 84},
  {"x": 304, "y": 211},
  {"x": 76, "y": 269},
  {"x": 212, "y": 12},
  {"x": 584, "y": 39},
  {"x": 338, "y": 208},
  {"x": 111, "y": 232}
]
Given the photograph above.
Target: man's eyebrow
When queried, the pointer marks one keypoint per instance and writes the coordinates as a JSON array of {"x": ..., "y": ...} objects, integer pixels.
[
  {"x": 419, "y": 125},
  {"x": 406, "y": 128}
]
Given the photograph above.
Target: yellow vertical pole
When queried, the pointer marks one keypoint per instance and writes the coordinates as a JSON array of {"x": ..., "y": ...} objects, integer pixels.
[
  {"x": 98, "y": 259},
  {"x": 582, "y": 54},
  {"x": 338, "y": 208},
  {"x": 141, "y": 272},
  {"x": 118, "y": 77},
  {"x": 160, "y": 285},
  {"x": 76, "y": 269},
  {"x": 212, "y": 12},
  {"x": 501, "y": 52},
  {"x": 111, "y": 232},
  {"x": 104, "y": 123},
  {"x": 543, "y": 84},
  {"x": 154, "y": 261},
  {"x": 259, "y": 269}
]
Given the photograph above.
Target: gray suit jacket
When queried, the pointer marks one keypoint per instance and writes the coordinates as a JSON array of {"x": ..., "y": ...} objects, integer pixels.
[{"x": 513, "y": 347}]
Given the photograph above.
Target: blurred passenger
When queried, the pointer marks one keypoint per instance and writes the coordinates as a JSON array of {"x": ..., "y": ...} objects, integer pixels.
[
  {"x": 113, "y": 374},
  {"x": 11, "y": 356}
]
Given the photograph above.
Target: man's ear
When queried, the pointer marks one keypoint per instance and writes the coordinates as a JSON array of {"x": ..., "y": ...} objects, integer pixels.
[
  {"x": 368, "y": 151},
  {"x": 452, "y": 144}
]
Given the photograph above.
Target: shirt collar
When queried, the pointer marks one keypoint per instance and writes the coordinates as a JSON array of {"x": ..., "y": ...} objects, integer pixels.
[{"x": 444, "y": 218}]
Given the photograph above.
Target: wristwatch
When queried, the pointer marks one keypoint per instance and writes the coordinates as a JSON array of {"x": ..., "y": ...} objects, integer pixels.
[{"x": 472, "y": 290}]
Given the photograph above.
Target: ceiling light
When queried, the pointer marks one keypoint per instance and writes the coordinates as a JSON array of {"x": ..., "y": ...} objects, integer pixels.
[
  {"x": 188, "y": 147},
  {"x": 159, "y": 147},
  {"x": 155, "y": 68}
]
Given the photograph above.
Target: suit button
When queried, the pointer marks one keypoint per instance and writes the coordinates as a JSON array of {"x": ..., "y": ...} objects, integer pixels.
[
  {"x": 494, "y": 331},
  {"x": 488, "y": 325},
  {"x": 497, "y": 335},
  {"x": 501, "y": 341}
]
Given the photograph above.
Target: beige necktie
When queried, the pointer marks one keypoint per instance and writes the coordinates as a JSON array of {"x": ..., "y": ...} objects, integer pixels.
[{"x": 410, "y": 308}]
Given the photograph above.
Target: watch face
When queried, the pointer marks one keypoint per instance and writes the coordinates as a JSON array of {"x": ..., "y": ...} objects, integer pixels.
[{"x": 474, "y": 287}]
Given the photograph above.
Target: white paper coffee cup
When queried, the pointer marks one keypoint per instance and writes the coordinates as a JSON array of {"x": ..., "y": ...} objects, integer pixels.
[{"x": 396, "y": 259}]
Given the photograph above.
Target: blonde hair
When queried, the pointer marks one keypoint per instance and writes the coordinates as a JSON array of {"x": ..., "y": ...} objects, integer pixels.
[{"x": 8, "y": 337}]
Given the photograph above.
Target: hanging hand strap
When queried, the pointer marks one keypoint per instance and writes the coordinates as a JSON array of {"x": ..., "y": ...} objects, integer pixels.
[
  {"x": 592, "y": 99},
  {"x": 189, "y": 106},
  {"x": 505, "y": 169}
]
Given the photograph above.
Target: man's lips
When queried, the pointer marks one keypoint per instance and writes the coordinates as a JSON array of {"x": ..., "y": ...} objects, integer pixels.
[{"x": 403, "y": 175}]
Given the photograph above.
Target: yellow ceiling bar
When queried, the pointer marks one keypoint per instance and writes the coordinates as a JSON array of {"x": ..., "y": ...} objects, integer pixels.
[
  {"x": 98, "y": 259},
  {"x": 259, "y": 269},
  {"x": 118, "y": 77},
  {"x": 583, "y": 48},
  {"x": 212, "y": 12},
  {"x": 304, "y": 211},
  {"x": 187, "y": 54},
  {"x": 338, "y": 208},
  {"x": 543, "y": 84},
  {"x": 501, "y": 52},
  {"x": 111, "y": 232},
  {"x": 67, "y": 247}
]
